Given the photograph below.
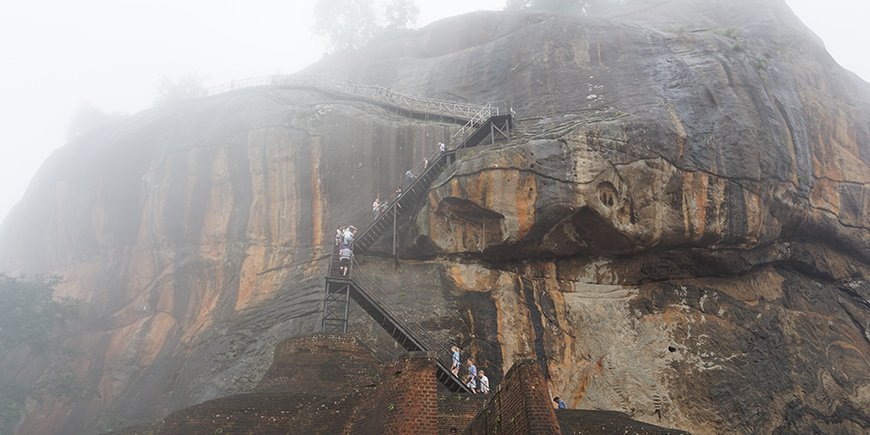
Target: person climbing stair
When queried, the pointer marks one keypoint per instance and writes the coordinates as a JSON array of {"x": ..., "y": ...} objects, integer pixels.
[
  {"x": 344, "y": 259},
  {"x": 454, "y": 367},
  {"x": 484, "y": 382},
  {"x": 471, "y": 379}
]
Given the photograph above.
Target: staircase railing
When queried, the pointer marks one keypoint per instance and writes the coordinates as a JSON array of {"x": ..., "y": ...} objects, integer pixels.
[
  {"x": 432, "y": 344},
  {"x": 485, "y": 112},
  {"x": 465, "y": 111},
  {"x": 422, "y": 172}
]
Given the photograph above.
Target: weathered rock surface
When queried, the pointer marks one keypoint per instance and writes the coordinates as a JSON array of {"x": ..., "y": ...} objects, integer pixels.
[{"x": 679, "y": 230}]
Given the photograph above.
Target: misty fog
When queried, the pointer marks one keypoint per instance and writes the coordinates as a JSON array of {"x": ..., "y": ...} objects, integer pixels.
[{"x": 111, "y": 55}]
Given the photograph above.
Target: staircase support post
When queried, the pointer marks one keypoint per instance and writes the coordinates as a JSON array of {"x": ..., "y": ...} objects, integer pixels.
[
  {"x": 346, "y": 308},
  {"x": 491, "y": 132},
  {"x": 395, "y": 231}
]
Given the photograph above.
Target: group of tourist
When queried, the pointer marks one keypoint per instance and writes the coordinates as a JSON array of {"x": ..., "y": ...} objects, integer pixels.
[
  {"x": 475, "y": 379},
  {"x": 379, "y": 207},
  {"x": 344, "y": 244}
]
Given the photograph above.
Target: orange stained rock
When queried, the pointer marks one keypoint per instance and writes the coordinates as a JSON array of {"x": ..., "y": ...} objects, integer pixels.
[
  {"x": 205, "y": 302},
  {"x": 580, "y": 388},
  {"x": 564, "y": 361},
  {"x": 455, "y": 188},
  {"x": 218, "y": 209},
  {"x": 480, "y": 189},
  {"x": 824, "y": 195},
  {"x": 253, "y": 287},
  {"x": 472, "y": 277},
  {"x": 694, "y": 204},
  {"x": 835, "y": 152},
  {"x": 160, "y": 329},
  {"x": 526, "y": 196},
  {"x": 514, "y": 328},
  {"x": 756, "y": 217},
  {"x": 166, "y": 297},
  {"x": 317, "y": 235},
  {"x": 671, "y": 315}
]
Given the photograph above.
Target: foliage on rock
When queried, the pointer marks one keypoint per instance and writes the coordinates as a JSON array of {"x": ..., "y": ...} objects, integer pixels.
[{"x": 31, "y": 321}]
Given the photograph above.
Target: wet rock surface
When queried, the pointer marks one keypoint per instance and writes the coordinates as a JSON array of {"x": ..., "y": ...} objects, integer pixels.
[{"x": 677, "y": 230}]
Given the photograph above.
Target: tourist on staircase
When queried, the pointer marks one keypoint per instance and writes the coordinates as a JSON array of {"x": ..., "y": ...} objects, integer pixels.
[
  {"x": 348, "y": 236},
  {"x": 454, "y": 367},
  {"x": 442, "y": 147},
  {"x": 471, "y": 379},
  {"x": 376, "y": 208},
  {"x": 410, "y": 177},
  {"x": 344, "y": 259},
  {"x": 484, "y": 382},
  {"x": 339, "y": 235},
  {"x": 398, "y": 196}
]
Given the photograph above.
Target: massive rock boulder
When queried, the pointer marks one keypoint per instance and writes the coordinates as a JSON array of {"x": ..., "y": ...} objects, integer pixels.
[{"x": 678, "y": 228}]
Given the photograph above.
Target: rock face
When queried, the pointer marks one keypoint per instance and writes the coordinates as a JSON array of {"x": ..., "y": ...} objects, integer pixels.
[{"x": 679, "y": 229}]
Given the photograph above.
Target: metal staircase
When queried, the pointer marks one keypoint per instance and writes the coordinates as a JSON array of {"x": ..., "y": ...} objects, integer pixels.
[
  {"x": 410, "y": 335},
  {"x": 493, "y": 128},
  {"x": 340, "y": 290}
]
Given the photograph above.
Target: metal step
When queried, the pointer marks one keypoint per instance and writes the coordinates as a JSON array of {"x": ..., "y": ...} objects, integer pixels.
[{"x": 391, "y": 324}]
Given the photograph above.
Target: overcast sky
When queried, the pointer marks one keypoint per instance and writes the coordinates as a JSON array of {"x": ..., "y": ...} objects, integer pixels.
[{"x": 59, "y": 54}]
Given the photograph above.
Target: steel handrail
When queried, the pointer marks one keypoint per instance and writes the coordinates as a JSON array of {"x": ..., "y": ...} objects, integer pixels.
[
  {"x": 442, "y": 352},
  {"x": 467, "y": 111},
  {"x": 421, "y": 169}
]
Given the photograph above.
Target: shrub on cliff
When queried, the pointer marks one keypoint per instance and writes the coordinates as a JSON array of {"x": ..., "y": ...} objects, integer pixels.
[{"x": 34, "y": 358}]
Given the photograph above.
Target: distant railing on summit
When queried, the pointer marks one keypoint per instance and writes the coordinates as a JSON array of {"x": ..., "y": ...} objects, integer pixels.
[{"x": 473, "y": 113}]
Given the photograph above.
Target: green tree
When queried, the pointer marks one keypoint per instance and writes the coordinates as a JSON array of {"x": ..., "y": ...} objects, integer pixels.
[
  {"x": 185, "y": 88},
  {"x": 32, "y": 325},
  {"x": 351, "y": 24}
]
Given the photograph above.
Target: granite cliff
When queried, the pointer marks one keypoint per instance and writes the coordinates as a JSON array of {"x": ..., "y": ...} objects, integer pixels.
[{"x": 679, "y": 228}]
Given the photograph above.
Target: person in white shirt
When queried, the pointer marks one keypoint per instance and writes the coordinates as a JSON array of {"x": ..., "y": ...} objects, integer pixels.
[
  {"x": 376, "y": 207},
  {"x": 348, "y": 236},
  {"x": 483, "y": 382}
]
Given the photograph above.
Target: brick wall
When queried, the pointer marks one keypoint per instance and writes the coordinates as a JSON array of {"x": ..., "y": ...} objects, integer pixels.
[
  {"x": 406, "y": 402},
  {"x": 457, "y": 411},
  {"x": 520, "y": 405}
]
